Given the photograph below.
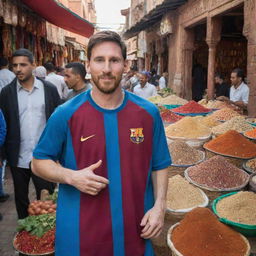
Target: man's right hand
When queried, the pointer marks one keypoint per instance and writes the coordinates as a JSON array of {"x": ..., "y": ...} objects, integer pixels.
[{"x": 87, "y": 181}]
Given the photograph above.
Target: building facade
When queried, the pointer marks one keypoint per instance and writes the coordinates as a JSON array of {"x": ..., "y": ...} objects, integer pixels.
[{"x": 216, "y": 35}]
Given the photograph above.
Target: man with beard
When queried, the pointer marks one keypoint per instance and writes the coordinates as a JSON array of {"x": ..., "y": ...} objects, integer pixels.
[
  {"x": 113, "y": 160},
  {"x": 27, "y": 103},
  {"x": 74, "y": 77}
]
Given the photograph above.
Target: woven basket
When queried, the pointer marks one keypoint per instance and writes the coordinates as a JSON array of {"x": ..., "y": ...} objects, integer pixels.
[{"x": 175, "y": 252}]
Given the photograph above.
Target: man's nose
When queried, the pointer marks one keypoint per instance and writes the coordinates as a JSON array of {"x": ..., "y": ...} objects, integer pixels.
[{"x": 107, "y": 67}]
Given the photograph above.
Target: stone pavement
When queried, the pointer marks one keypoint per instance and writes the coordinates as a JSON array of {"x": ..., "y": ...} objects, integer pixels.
[{"x": 9, "y": 223}]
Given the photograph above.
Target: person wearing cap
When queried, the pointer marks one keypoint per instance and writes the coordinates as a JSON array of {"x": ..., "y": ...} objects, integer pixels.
[
  {"x": 144, "y": 89},
  {"x": 40, "y": 72},
  {"x": 74, "y": 76}
]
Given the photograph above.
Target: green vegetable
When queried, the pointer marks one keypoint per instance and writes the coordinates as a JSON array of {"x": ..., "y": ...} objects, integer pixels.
[
  {"x": 53, "y": 196},
  {"x": 37, "y": 225}
]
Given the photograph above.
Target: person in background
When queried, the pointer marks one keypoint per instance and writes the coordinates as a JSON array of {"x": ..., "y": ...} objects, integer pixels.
[
  {"x": 144, "y": 89},
  {"x": 56, "y": 80},
  {"x": 198, "y": 82},
  {"x": 113, "y": 159},
  {"x": 60, "y": 71},
  {"x": 3, "y": 196},
  {"x": 154, "y": 78},
  {"x": 40, "y": 72},
  {"x": 6, "y": 76},
  {"x": 26, "y": 103},
  {"x": 163, "y": 81},
  {"x": 221, "y": 88},
  {"x": 74, "y": 77},
  {"x": 239, "y": 91}
]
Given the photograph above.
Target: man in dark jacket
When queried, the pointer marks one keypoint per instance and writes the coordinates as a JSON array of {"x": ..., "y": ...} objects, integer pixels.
[
  {"x": 221, "y": 88},
  {"x": 27, "y": 103}
]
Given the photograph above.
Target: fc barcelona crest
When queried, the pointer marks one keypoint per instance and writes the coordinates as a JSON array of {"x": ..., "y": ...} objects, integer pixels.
[{"x": 137, "y": 135}]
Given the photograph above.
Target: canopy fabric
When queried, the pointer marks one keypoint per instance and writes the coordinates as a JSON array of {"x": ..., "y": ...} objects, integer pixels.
[{"x": 59, "y": 15}]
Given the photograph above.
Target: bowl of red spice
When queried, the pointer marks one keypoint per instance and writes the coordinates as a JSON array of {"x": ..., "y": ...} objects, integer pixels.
[
  {"x": 200, "y": 233},
  {"x": 26, "y": 243},
  {"x": 192, "y": 108},
  {"x": 250, "y": 134}
]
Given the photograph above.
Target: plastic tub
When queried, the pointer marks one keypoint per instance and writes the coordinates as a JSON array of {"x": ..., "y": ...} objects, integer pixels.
[{"x": 247, "y": 230}]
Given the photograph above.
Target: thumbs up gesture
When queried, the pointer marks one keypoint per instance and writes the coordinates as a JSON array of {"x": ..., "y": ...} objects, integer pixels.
[{"x": 87, "y": 181}]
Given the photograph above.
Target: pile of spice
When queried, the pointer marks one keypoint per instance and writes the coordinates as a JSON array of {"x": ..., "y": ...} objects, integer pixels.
[
  {"x": 183, "y": 154},
  {"x": 251, "y": 133},
  {"x": 224, "y": 114},
  {"x": 237, "y": 123},
  {"x": 217, "y": 173},
  {"x": 214, "y": 104},
  {"x": 169, "y": 117},
  {"x": 188, "y": 128},
  {"x": 201, "y": 234},
  {"x": 172, "y": 100},
  {"x": 251, "y": 164},
  {"x": 240, "y": 208},
  {"x": 208, "y": 121},
  {"x": 191, "y": 107},
  {"x": 155, "y": 99},
  {"x": 182, "y": 195},
  {"x": 232, "y": 144}
]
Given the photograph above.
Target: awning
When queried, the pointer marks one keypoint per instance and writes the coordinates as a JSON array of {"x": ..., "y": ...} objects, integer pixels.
[
  {"x": 153, "y": 17},
  {"x": 59, "y": 15}
]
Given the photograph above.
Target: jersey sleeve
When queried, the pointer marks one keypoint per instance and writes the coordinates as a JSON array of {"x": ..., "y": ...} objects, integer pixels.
[
  {"x": 52, "y": 140},
  {"x": 161, "y": 156}
]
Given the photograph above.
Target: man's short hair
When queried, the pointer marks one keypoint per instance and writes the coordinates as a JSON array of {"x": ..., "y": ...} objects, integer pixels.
[
  {"x": 105, "y": 36},
  {"x": 49, "y": 66},
  {"x": 3, "y": 62},
  {"x": 77, "y": 68},
  {"x": 22, "y": 52},
  {"x": 219, "y": 75},
  {"x": 239, "y": 72}
]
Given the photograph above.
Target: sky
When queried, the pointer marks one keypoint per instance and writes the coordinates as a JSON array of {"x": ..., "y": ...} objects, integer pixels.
[{"x": 108, "y": 13}]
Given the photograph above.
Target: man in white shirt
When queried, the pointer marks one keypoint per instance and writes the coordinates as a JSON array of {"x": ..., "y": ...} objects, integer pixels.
[
  {"x": 162, "y": 81},
  {"x": 6, "y": 76},
  {"x": 56, "y": 80},
  {"x": 144, "y": 89},
  {"x": 239, "y": 91}
]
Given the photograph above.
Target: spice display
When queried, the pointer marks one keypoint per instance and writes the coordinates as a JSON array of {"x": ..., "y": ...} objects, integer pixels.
[
  {"x": 237, "y": 123},
  {"x": 208, "y": 121},
  {"x": 217, "y": 173},
  {"x": 189, "y": 128},
  {"x": 251, "y": 133},
  {"x": 42, "y": 207},
  {"x": 240, "y": 208},
  {"x": 251, "y": 164},
  {"x": 172, "y": 100},
  {"x": 30, "y": 244},
  {"x": 232, "y": 144},
  {"x": 182, "y": 195},
  {"x": 155, "y": 99},
  {"x": 201, "y": 234},
  {"x": 191, "y": 107},
  {"x": 182, "y": 154},
  {"x": 224, "y": 114},
  {"x": 170, "y": 117}
]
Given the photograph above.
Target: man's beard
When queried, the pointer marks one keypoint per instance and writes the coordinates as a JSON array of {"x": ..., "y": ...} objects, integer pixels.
[{"x": 105, "y": 89}]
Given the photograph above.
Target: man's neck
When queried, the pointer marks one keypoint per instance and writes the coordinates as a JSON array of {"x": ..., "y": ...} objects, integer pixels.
[
  {"x": 143, "y": 85},
  {"x": 29, "y": 84},
  {"x": 237, "y": 85},
  {"x": 79, "y": 86},
  {"x": 107, "y": 101}
]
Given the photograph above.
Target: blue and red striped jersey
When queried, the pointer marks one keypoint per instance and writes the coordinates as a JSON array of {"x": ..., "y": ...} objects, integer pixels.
[{"x": 131, "y": 143}]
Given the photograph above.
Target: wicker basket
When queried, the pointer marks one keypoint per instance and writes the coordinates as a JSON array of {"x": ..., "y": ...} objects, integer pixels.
[{"x": 175, "y": 252}]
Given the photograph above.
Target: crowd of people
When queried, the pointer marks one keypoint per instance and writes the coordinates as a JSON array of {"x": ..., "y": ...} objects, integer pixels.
[{"x": 100, "y": 140}]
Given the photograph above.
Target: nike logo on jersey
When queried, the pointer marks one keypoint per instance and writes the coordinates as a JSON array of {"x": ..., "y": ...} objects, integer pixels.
[{"x": 86, "y": 138}]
